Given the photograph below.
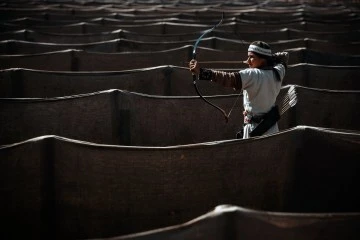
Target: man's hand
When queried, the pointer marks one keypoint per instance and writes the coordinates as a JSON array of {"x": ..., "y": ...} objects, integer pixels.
[
  {"x": 194, "y": 67},
  {"x": 281, "y": 57}
]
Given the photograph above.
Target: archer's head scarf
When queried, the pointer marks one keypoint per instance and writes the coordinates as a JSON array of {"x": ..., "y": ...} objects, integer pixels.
[{"x": 262, "y": 49}]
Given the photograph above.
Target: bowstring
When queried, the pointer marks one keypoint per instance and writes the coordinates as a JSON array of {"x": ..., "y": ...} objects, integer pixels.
[{"x": 194, "y": 77}]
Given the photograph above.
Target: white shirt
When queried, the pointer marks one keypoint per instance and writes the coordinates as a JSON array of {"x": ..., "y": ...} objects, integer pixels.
[{"x": 260, "y": 88}]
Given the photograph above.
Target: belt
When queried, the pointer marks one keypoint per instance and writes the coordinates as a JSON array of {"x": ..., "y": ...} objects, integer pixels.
[
  {"x": 253, "y": 119},
  {"x": 256, "y": 119},
  {"x": 270, "y": 118}
]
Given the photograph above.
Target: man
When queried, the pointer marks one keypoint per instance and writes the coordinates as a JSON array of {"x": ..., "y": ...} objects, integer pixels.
[{"x": 261, "y": 84}]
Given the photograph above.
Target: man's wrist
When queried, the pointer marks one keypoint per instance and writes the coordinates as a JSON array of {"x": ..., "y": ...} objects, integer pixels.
[{"x": 205, "y": 74}]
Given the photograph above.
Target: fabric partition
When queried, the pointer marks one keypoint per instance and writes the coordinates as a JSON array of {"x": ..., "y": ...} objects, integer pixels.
[
  {"x": 36, "y": 36},
  {"x": 89, "y": 117},
  {"x": 26, "y": 83},
  {"x": 120, "y": 117},
  {"x": 11, "y": 47},
  {"x": 78, "y": 190},
  {"x": 296, "y": 25},
  {"x": 77, "y": 60},
  {"x": 124, "y": 61},
  {"x": 308, "y": 16},
  {"x": 317, "y": 57},
  {"x": 233, "y": 222},
  {"x": 61, "y": 61},
  {"x": 346, "y": 47},
  {"x": 173, "y": 32},
  {"x": 126, "y": 118},
  {"x": 168, "y": 27},
  {"x": 48, "y": 18},
  {"x": 323, "y": 108},
  {"x": 247, "y": 31},
  {"x": 339, "y": 37},
  {"x": 161, "y": 80},
  {"x": 77, "y": 28},
  {"x": 324, "y": 76},
  {"x": 86, "y": 61},
  {"x": 24, "y": 184}
]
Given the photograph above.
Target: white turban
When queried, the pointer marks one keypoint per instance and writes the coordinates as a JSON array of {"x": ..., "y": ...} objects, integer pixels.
[{"x": 260, "y": 50}]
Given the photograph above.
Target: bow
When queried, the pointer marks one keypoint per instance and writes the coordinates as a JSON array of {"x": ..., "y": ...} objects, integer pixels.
[{"x": 194, "y": 76}]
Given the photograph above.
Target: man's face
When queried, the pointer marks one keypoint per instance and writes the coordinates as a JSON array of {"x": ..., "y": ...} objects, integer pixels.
[{"x": 254, "y": 61}]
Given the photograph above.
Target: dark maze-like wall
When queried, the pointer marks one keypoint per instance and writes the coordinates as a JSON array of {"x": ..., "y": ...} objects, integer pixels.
[
  {"x": 88, "y": 190},
  {"x": 102, "y": 134}
]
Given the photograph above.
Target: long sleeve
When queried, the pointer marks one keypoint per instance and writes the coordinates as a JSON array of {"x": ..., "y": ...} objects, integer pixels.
[{"x": 226, "y": 79}]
